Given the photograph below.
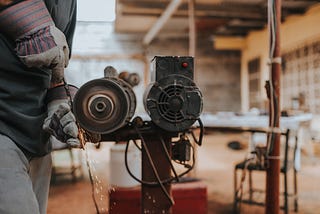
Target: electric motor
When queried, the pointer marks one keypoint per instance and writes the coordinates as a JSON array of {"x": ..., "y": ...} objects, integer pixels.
[
  {"x": 104, "y": 105},
  {"x": 173, "y": 100}
]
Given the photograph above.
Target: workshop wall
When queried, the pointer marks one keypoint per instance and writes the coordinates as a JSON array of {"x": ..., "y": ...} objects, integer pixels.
[
  {"x": 297, "y": 32},
  {"x": 96, "y": 45}
]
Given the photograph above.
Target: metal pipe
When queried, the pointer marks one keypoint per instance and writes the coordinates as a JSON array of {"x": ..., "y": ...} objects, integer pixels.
[
  {"x": 165, "y": 16},
  {"x": 273, "y": 171}
]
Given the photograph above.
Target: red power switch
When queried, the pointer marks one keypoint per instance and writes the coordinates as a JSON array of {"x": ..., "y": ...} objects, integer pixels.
[{"x": 184, "y": 64}]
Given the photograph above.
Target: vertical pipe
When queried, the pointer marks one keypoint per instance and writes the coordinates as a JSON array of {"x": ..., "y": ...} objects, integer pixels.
[{"x": 273, "y": 171}]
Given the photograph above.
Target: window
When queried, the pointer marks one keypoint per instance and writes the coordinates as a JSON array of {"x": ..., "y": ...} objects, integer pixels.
[
  {"x": 254, "y": 83},
  {"x": 301, "y": 77}
]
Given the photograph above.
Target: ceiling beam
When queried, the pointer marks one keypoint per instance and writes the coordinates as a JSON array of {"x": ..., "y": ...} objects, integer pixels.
[
  {"x": 298, "y": 3},
  {"x": 221, "y": 17},
  {"x": 165, "y": 16},
  {"x": 247, "y": 14}
]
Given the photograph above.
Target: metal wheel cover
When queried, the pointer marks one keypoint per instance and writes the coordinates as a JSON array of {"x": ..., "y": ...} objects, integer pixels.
[{"x": 107, "y": 87}]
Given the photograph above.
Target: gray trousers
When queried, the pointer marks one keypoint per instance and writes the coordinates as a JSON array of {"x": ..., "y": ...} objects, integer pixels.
[{"x": 24, "y": 181}]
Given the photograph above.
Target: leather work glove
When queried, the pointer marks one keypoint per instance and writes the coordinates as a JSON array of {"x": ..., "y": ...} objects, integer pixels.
[
  {"x": 61, "y": 123},
  {"x": 39, "y": 43}
]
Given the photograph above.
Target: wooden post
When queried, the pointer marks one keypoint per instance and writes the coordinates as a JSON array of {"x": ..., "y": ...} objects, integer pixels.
[
  {"x": 192, "y": 28},
  {"x": 273, "y": 171},
  {"x": 153, "y": 198}
]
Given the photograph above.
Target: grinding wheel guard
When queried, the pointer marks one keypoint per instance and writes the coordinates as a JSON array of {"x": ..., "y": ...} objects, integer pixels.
[{"x": 104, "y": 105}]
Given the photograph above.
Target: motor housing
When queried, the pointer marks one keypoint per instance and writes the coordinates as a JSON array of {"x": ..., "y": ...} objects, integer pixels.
[{"x": 172, "y": 100}]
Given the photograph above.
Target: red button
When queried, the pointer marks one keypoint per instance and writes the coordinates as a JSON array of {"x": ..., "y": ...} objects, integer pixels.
[{"x": 184, "y": 64}]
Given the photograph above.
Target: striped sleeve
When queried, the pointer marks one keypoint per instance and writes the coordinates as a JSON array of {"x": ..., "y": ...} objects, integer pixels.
[
  {"x": 24, "y": 18},
  {"x": 36, "y": 43}
]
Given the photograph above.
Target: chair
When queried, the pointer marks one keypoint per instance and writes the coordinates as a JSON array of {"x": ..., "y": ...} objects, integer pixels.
[
  {"x": 288, "y": 162},
  {"x": 73, "y": 169}
]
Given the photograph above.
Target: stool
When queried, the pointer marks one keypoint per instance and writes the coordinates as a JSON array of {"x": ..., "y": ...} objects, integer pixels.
[{"x": 288, "y": 163}]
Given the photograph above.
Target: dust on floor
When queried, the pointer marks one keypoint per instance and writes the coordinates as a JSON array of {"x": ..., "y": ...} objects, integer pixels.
[{"x": 215, "y": 167}]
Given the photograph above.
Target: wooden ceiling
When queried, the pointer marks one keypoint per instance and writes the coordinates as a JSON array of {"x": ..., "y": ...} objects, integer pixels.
[{"x": 219, "y": 17}]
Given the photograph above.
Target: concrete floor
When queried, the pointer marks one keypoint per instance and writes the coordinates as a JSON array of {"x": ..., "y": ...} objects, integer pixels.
[{"x": 215, "y": 167}]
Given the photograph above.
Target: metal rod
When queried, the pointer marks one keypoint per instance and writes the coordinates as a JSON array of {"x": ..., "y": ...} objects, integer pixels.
[
  {"x": 273, "y": 171},
  {"x": 165, "y": 16}
]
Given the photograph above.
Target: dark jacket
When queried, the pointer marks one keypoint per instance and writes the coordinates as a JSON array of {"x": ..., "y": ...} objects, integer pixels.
[{"x": 23, "y": 90}]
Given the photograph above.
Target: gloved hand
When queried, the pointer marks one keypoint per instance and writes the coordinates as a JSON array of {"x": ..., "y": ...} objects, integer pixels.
[
  {"x": 38, "y": 42},
  {"x": 61, "y": 123}
]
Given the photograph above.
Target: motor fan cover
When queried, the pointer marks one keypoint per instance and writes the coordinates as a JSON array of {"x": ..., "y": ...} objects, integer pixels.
[{"x": 174, "y": 103}]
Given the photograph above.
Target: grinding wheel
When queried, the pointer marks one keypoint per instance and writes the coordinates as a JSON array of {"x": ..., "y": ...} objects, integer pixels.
[{"x": 104, "y": 105}]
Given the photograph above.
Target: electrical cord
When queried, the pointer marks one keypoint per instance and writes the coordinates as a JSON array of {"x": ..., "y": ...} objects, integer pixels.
[
  {"x": 199, "y": 141},
  {"x": 166, "y": 181},
  {"x": 274, "y": 111},
  {"x": 136, "y": 144},
  {"x": 201, "y": 132},
  {"x": 159, "y": 182},
  {"x": 270, "y": 145},
  {"x": 154, "y": 168},
  {"x": 169, "y": 158},
  {"x": 271, "y": 25}
]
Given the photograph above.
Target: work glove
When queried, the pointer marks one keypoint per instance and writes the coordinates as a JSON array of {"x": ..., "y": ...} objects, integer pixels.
[
  {"x": 61, "y": 123},
  {"x": 39, "y": 43}
]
